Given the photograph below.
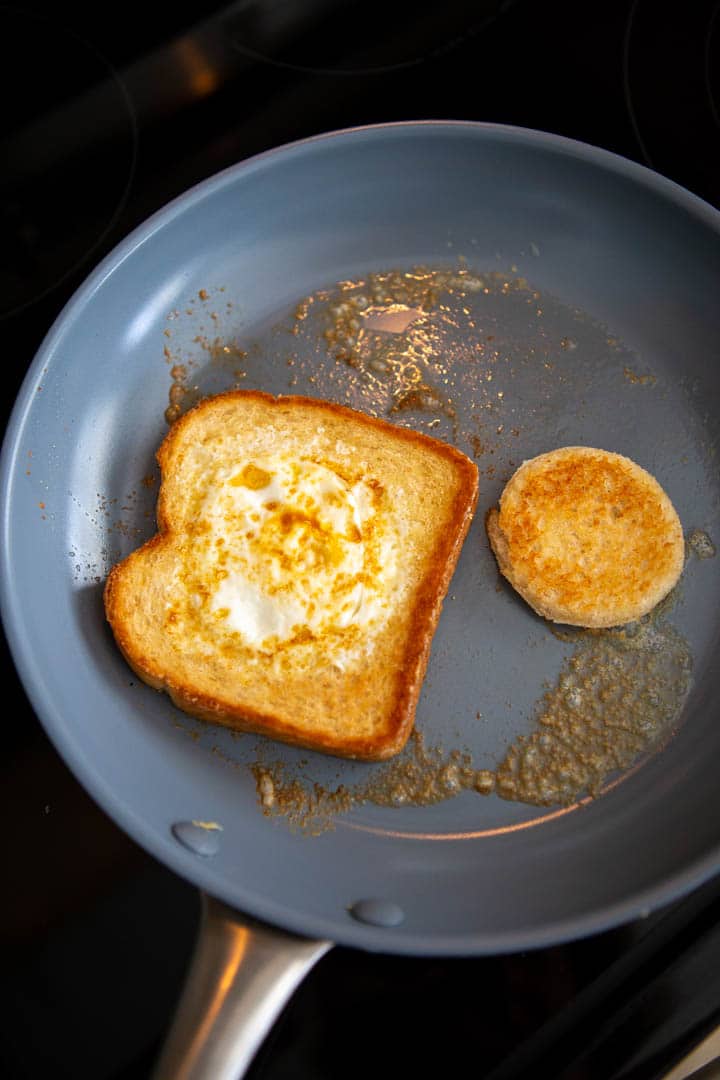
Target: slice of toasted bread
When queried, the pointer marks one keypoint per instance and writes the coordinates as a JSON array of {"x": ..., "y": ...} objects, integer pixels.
[
  {"x": 587, "y": 537},
  {"x": 297, "y": 577}
]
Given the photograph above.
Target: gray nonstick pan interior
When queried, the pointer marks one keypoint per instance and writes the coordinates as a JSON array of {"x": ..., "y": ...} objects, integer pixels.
[{"x": 606, "y": 334}]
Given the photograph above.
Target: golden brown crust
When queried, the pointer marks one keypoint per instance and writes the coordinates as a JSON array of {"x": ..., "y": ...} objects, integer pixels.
[
  {"x": 329, "y": 408},
  {"x": 366, "y": 712},
  {"x": 587, "y": 537}
]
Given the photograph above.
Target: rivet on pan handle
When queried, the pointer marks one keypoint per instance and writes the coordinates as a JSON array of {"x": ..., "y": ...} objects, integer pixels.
[{"x": 242, "y": 974}]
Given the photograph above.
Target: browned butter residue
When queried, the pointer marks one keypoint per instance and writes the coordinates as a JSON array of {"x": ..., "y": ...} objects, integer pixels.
[
  {"x": 176, "y": 393},
  {"x": 420, "y": 776},
  {"x": 401, "y": 339},
  {"x": 421, "y": 398},
  {"x": 639, "y": 380},
  {"x": 700, "y": 544},
  {"x": 617, "y": 697}
]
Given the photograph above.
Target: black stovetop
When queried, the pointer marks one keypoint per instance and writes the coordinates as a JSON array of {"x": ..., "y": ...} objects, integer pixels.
[{"x": 109, "y": 113}]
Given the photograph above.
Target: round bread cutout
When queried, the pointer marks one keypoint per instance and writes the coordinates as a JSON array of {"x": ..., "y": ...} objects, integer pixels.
[{"x": 587, "y": 537}]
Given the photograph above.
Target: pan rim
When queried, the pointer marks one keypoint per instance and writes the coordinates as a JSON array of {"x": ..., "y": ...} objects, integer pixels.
[{"x": 354, "y": 934}]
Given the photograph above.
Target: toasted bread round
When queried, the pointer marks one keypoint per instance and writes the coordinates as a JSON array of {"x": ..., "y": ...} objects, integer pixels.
[{"x": 587, "y": 537}]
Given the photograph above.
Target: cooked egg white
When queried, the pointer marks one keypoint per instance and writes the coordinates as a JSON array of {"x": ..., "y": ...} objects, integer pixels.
[{"x": 292, "y": 551}]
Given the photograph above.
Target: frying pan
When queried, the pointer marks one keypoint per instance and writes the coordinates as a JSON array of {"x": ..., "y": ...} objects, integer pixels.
[{"x": 619, "y": 263}]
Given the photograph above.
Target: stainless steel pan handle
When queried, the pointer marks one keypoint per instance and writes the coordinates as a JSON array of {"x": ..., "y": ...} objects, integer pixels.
[
  {"x": 703, "y": 1061},
  {"x": 241, "y": 975}
]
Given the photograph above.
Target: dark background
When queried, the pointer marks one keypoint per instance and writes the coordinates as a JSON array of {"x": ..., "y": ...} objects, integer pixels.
[{"x": 106, "y": 113}]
